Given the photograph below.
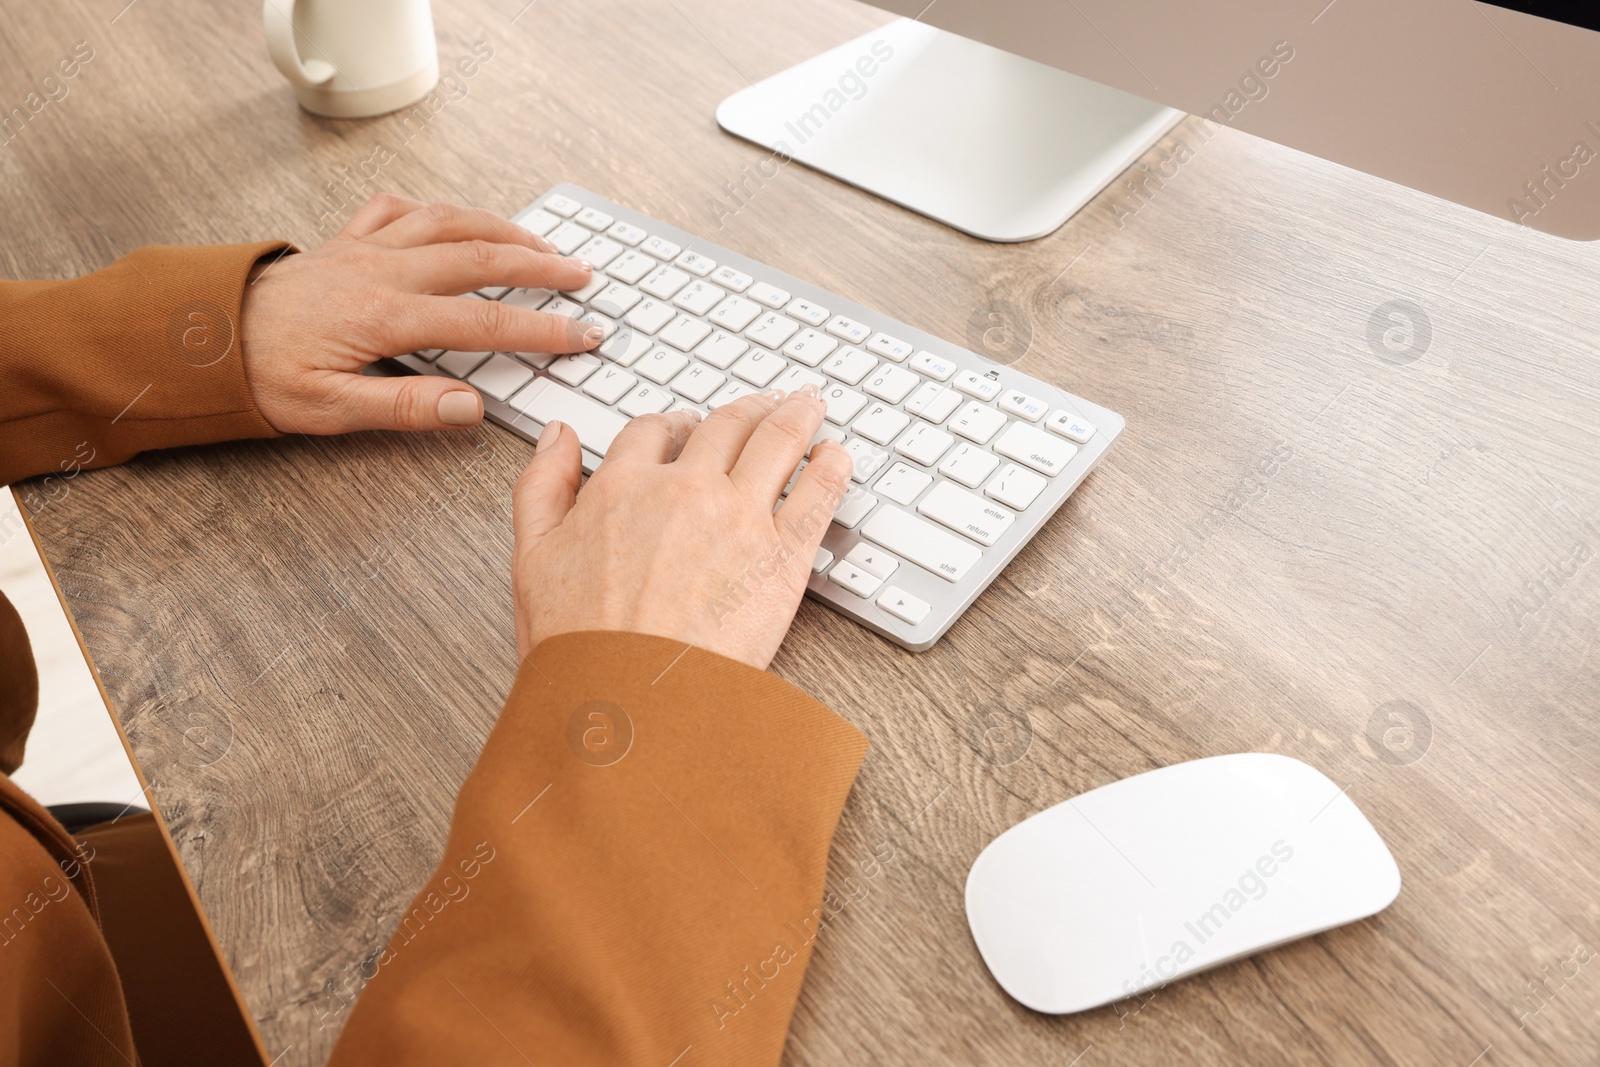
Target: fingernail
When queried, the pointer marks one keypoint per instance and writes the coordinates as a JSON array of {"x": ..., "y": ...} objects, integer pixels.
[
  {"x": 810, "y": 390},
  {"x": 585, "y": 264},
  {"x": 552, "y": 433},
  {"x": 459, "y": 408},
  {"x": 775, "y": 395},
  {"x": 593, "y": 336}
]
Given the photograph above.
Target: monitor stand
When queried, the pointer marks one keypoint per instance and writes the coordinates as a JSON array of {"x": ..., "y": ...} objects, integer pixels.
[{"x": 995, "y": 145}]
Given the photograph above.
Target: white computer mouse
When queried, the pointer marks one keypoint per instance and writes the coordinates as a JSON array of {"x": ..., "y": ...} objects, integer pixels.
[{"x": 1167, "y": 873}]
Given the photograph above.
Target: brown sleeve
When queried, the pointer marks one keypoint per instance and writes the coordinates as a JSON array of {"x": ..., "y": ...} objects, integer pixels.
[
  {"x": 143, "y": 354},
  {"x": 19, "y": 686},
  {"x": 635, "y": 868}
]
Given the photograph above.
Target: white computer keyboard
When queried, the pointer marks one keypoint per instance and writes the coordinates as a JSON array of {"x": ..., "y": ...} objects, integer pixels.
[{"x": 958, "y": 461}]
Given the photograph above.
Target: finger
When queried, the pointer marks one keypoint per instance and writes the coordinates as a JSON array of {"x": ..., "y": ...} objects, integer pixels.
[
  {"x": 423, "y": 402},
  {"x": 721, "y": 436},
  {"x": 778, "y": 445},
  {"x": 437, "y": 223},
  {"x": 377, "y": 213},
  {"x": 817, "y": 493},
  {"x": 466, "y": 324},
  {"x": 461, "y": 266},
  {"x": 548, "y": 487},
  {"x": 653, "y": 438}
]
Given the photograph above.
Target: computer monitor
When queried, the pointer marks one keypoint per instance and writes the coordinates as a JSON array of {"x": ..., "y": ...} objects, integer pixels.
[{"x": 1003, "y": 117}]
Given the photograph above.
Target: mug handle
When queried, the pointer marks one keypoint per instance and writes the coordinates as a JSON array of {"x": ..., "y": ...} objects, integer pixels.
[{"x": 277, "y": 16}]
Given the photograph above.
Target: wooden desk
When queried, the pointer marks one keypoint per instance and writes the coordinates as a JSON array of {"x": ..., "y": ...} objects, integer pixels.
[{"x": 309, "y": 639}]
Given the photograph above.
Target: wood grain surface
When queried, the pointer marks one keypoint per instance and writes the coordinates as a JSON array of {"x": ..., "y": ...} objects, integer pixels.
[{"x": 1377, "y": 559}]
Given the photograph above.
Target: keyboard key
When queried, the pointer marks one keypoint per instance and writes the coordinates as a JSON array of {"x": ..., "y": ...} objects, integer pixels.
[
  {"x": 807, "y": 312},
  {"x": 924, "y": 444},
  {"x": 664, "y": 282},
  {"x": 538, "y": 221},
  {"x": 797, "y": 378},
  {"x": 721, "y": 349},
  {"x": 854, "y": 507},
  {"x": 695, "y": 263},
  {"x": 500, "y": 377},
  {"x": 772, "y": 330},
  {"x": 1034, "y": 448},
  {"x": 494, "y": 292},
  {"x": 809, "y": 347},
  {"x": 684, "y": 333},
  {"x": 599, "y": 251},
  {"x": 872, "y": 559},
  {"x": 769, "y": 295},
  {"x": 759, "y": 368},
  {"x": 1070, "y": 426},
  {"x": 1023, "y": 406},
  {"x": 461, "y": 364},
  {"x": 827, "y": 433},
  {"x": 728, "y": 394},
  {"x": 595, "y": 284},
  {"x": 735, "y": 313},
  {"x": 564, "y": 206},
  {"x": 902, "y": 605},
  {"x": 843, "y": 404},
  {"x": 429, "y": 354},
  {"x": 820, "y": 561},
  {"x": 891, "y": 383},
  {"x": 662, "y": 365},
  {"x": 568, "y": 237},
  {"x": 888, "y": 347},
  {"x": 966, "y": 513},
  {"x": 650, "y": 315},
  {"x": 629, "y": 267},
  {"x": 922, "y": 543},
  {"x": 977, "y": 422},
  {"x": 866, "y": 457},
  {"x": 902, "y": 484},
  {"x": 627, "y": 233},
  {"x": 615, "y": 299},
  {"x": 729, "y": 278},
  {"x": 536, "y": 360},
  {"x": 660, "y": 248},
  {"x": 1015, "y": 487},
  {"x": 974, "y": 384},
  {"x": 852, "y": 332},
  {"x": 969, "y": 465},
  {"x": 698, "y": 382},
  {"x": 697, "y": 298},
  {"x": 574, "y": 369},
  {"x": 608, "y": 326},
  {"x": 853, "y": 578},
  {"x": 544, "y": 401},
  {"x": 936, "y": 367},
  {"x": 643, "y": 400},
  {"x": 849, "y": 365},
  {"x": 562, "y": 306},
  {"x": 533, "y": 299},
  {"x": 593, "y": 218},
  {"x": 625, "y": 348},
  {"x": 609, "y": 383},
  {"x": 933, "y": 401},
  {"x": 881, "y": 424}
]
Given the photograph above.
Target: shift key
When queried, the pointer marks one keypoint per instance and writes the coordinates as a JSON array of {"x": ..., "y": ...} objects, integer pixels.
[{"x": 921, "y": 542}]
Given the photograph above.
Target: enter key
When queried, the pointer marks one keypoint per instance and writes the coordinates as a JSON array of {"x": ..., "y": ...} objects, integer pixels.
[{"x": 982, "y": 520}]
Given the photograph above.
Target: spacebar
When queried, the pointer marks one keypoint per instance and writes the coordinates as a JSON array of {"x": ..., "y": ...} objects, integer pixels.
[
  {"x": 921, "y": 542},
  {"x": 544, "y": 401}
]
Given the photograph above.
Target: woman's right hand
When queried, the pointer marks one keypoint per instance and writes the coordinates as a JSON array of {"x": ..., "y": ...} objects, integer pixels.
[{"x": 675, "y": 533}]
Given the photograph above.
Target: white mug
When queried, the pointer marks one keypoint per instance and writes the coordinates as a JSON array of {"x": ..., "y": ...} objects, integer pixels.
[{"x": 353, "y": 58}]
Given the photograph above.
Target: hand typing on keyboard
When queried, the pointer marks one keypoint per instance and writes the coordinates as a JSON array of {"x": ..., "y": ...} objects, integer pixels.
[
  {"x": 675, "y": 533},
  {"x": 388, "y": 283}
]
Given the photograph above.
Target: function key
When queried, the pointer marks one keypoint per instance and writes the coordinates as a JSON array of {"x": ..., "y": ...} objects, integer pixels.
[
  {"x": 769, "y": 295},
  {"x": 627, "y": 233},
  {"x": 695, "y": 263},
  {"x": 538, "y": 221},
  {"x": 564, "y": 206},
  {"x": 936, "y": 367},
  {"x": 889, "y": 347},
  {"x": 1071, "y": 426},
  {"x": 807, "y": 312},
  {"x": 661, "y": 249},
  {"x": 855, "y": 333},
  {"x": 729, "y": 278},
  {"x": 974, "y": 384},
  {"x": 1023, "y": 406},
  {"x": 595, "y": 220}
]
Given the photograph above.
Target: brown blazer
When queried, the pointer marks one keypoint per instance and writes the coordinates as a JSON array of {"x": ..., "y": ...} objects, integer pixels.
[{"x": 579, "y": 915}]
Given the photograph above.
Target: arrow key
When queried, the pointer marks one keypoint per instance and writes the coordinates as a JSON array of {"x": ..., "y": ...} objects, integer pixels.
[
  {"x": 872, "y": 559},
  {"x": 902, "y": 605}
]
